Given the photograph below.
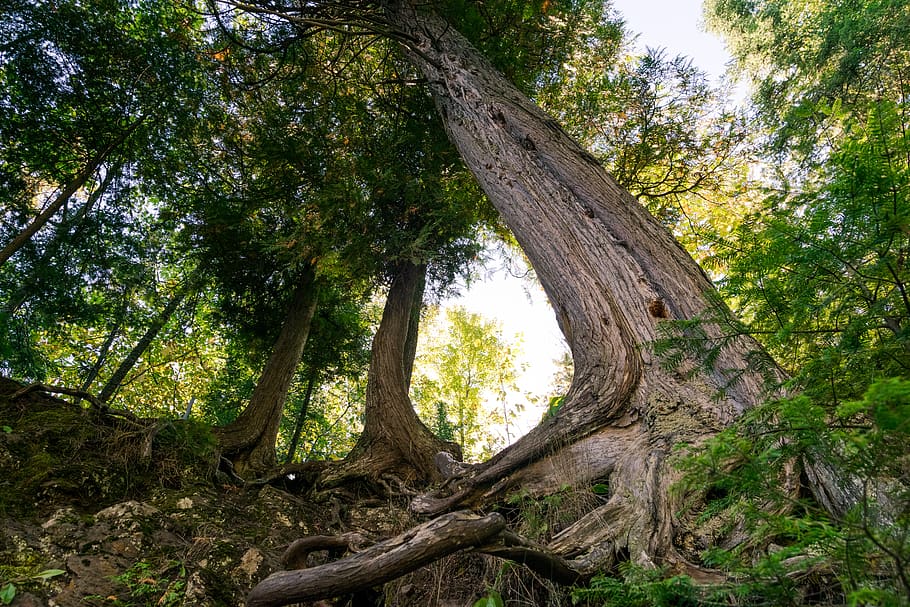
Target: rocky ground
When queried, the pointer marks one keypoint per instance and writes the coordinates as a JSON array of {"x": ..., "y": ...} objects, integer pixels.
[{"x": 117, "y": 511}]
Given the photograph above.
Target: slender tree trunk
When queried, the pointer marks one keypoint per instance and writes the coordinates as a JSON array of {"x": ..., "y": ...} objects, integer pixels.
[
  {"x": 68, "y": 190},
  {"x": 394, "y": 440},
  {"x": 249, "y": 441},
  {"x": 302, "y": 415},
  {"x": 612, "y": 273},
  {"x": 102, "y": 356},
  {"x": 114, "y": 382},
  {"x": 410, "y": 344}
]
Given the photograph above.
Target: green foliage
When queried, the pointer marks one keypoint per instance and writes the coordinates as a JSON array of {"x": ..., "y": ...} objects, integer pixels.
[
  {"x": 641, "y": 587},
  {"x": 541, "y": 518},
  {"x": 464, "y": 369},
  {"x": 820, "y": 277},
  {"x": 553, "y": 406},
  {"x": 152, "y": 586},
  {"x": 657, "y": 124},
  {"x": 492, "y": 599},
  {"x": 89, "y": 89},
  {"x": 804, "y": 56},
  {"x": 8, "y": 588},
  {"x": 749, "y": 474}
]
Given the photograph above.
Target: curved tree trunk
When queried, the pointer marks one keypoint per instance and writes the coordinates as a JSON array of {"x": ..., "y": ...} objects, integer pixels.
[
  {"x": 249, "y": 441},
  {"x": 394, "y": 440},
  {"x": 611, "y": 272}
]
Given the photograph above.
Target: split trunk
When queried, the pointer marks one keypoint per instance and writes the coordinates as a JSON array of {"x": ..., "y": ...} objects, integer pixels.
[{"x": 394, "y": 441}]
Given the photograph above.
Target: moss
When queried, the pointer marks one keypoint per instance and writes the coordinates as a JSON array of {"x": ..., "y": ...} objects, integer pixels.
[
  {"x": 19, "y": 563},
  {"x": 60, "y": 453}
]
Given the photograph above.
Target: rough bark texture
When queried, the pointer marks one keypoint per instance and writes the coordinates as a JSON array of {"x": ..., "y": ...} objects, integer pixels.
[
  {"x": 606, "y": 265},
  {"x": 249, "y": 441},
  {"x": 394, "y": 440},
  {"x": 379, "y": 563}
]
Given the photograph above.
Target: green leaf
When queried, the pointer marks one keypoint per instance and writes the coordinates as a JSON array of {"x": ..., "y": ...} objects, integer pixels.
[
  {"x": 7, "y": 594},
  {"x": 6, "y": 429},
  {"x": 601, "y": 489},
  {"x": 493, "y": 599},
  {"x": 48, "y": 574}
]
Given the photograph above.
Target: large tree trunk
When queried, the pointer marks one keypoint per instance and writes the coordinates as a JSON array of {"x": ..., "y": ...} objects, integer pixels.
[
  {"x": 249, "y": 441},
  {"x": 394, "y": 440},
  {"x": 612, "y": 273}
]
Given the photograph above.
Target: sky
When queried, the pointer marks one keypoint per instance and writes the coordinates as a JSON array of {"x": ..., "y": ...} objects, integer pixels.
[
  {"x": 519, "y": 304},
  {"x": 677, "y": 26}
]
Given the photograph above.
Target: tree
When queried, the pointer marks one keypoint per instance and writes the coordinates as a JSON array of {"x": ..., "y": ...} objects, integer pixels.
[
  {"x": 458, "y": 372},
  {"x": 337, "y": 349},
  {"x": 249, "y": 441},
  {"x": 394, "y": 439},
  {"x": 612, "y": 273},
  {"x": 654, "y": 122},
  {"x": 589, "y": 242},
  {"x": 114, "y": 381},
  {"x": 84, "y": 90}
]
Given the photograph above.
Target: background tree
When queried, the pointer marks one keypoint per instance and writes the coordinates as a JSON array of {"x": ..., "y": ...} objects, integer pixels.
[
  {"x": 465, "y": 365},
  {"x": 92, "y": 92}
]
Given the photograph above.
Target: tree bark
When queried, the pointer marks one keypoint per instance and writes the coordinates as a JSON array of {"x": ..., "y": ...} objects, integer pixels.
[
  {"x": 249, "y": 441},
  {"x": 611, "y": 272},
  {"x": 394, "y": 440},
  {"x": 379, "y": 563}
]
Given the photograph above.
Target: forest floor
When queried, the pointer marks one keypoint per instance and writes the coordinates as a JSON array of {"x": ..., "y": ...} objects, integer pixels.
[{"x": 116, "y": 512}]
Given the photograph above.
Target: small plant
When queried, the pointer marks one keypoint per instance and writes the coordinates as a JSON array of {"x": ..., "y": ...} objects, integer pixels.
[
  {"x": 149, "y": 587},
  {"x": 640, "y": 587},
  {"x": 492, "y": 599},
  {"x": 8, "y": 590},
  {"x": 553, "y": 406}
]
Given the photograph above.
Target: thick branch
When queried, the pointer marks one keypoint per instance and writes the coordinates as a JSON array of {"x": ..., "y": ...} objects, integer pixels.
[
  {"x": 81, "y": 394},
  {"x": 380, "y": 563},
  {"x": 295, "y": 557}
]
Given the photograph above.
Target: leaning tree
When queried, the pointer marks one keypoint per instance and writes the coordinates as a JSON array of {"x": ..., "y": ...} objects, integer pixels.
[{"x": 613, "y": 274}]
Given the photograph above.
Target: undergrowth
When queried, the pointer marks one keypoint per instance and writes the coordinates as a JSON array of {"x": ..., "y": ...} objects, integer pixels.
[{"x": 54, "y": 451}]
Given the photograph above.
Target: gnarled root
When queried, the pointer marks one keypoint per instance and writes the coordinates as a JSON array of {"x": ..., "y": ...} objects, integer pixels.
[{"x": 400, "y": 555}]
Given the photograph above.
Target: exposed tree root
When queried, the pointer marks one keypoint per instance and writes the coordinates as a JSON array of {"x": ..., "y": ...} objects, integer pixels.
[
  {"x": 400, "y": 555},
  {"x": 379, "y": 563},
  {"x": 80, "y": 394}
]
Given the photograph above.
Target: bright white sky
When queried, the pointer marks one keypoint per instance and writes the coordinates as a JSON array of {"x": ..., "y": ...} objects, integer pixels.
[
  {"x": 520, "y": 305},
  {"x": 677, "y": 26}
]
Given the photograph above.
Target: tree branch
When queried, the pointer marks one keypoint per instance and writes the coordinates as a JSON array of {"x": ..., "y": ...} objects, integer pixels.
[{"x": 379, "y": 563}]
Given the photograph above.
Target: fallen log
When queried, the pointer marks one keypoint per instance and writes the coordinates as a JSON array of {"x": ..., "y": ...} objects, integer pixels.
[{"x": 379, "y": 563}]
